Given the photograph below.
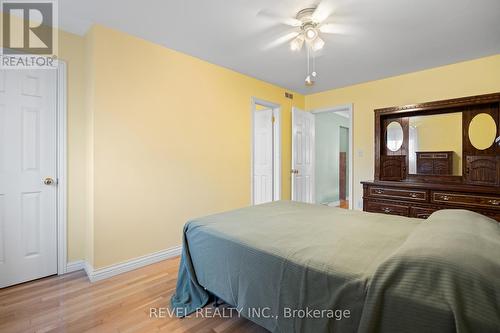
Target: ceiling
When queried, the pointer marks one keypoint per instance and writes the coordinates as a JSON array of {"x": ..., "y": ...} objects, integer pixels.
[{"x": 376, "y": 39}]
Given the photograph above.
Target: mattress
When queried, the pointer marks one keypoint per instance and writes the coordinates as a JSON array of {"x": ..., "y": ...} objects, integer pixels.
[{"x": 295, "y": 267}]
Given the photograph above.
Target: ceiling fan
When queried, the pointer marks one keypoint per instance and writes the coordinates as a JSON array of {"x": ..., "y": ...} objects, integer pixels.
[{"x": 309, "y": 24}]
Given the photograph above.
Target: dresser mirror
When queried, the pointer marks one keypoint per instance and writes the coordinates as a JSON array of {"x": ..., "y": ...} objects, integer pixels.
[
  {"x": 449, "y": 141},
  {"x": 437, "y": 155},
  {"x": 394, "y": 139},
  {"x": 482, "y": 131},
  {"x": 435, "y": 144}
]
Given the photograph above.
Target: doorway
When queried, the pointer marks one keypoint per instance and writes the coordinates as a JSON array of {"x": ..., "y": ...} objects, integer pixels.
[
  {"x": 322, "y": 156},
  {"x": 266, "y": 152},
  {"x": 32, "y": 174},
  {"x": 333, "y": 151}
]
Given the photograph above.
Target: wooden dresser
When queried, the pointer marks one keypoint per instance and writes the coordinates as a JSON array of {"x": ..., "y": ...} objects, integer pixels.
[
  {"x": 422, "y": 199},
  {"x": 417, "y": 183}
]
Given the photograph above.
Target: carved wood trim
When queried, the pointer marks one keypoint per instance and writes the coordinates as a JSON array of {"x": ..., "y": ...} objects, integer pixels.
[
  {"x": 449, "y": 103},
  {"x": 393, "y": 167},
  {"x": 464, "y": 104}
]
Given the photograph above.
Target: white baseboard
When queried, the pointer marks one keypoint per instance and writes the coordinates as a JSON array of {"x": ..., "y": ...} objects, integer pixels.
[
  {"x": 75, "y": 266},
  {"x": 129, "y": 265}
]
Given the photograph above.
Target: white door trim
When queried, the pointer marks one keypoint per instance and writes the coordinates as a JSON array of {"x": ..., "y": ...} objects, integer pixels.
[
  {"x": 62, "y": 168},
  {"x": 345, "y": 108},
  {"x": 276, "y": 149}
]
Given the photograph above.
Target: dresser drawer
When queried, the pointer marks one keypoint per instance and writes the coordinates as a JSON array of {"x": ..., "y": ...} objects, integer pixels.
[
  {"x": 421, "y": 213},
  {"x": 492, "y": 214},
  {"x": 393, "y": 193},
  {"x": 470, "y": 200},
  {"x": 386, "y": 208}
]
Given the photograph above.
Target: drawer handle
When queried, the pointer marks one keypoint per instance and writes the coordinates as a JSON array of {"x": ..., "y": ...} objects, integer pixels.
[
  {"x": 445, "y": 197},
  {"x": 494, "y": 202},
  {"x": 379, "y": 191},
  {"x": 413, "y": 195},
  {"x": 387, "y": 210}
]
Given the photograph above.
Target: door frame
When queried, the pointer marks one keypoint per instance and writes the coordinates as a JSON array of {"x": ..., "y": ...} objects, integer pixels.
[
  {"x": 276, "y": 146},
  {"x": 62, "y": 168},
  {"x": 345, "y": 108}
]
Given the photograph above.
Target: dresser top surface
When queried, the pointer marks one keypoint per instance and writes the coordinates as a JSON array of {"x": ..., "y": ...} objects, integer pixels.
[{"x": 436, "y": 186}]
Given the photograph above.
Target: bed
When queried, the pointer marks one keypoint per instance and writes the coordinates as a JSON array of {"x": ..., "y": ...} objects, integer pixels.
[{"x": 295, "y": 267}]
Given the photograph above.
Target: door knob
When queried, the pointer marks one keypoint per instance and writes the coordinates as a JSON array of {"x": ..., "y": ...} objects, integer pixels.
[{"x": 48, "y": 181}]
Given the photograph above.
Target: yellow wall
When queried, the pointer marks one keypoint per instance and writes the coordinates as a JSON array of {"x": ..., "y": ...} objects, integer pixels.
[
  {"x": 171, "y": 141},
  {"x": 156, "y": 137},
  {"x": 88, "y": 138},
  {"x": 71, "y": 50},
  {"x": 480, "y": 76}
]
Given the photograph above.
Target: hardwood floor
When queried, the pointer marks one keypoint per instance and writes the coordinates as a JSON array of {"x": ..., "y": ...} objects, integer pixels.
[
  {"x": 70, "y": 303},
  {"x": 344, "y": 204}
]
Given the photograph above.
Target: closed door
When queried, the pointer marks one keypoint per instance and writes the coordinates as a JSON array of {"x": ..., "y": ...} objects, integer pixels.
[
  {"x": 302, "y": 156},
  {"x": 28, "y": 242},
  {"x": 263, "y": 156}
]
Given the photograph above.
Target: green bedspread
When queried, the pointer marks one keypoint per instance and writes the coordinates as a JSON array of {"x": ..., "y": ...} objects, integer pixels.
[
  {"x": 444, "y": 278},
  {"x": 277, "y": 263}
]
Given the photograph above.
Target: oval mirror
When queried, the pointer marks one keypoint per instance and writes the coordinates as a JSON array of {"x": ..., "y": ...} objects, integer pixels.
[
  {"x": 394, "y": 139},
  {"x": 482, "y": 131}
]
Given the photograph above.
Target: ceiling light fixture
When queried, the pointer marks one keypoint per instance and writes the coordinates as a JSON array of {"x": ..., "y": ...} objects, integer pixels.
[
  {"x": 296, "y": 43},
  {"x": 317, "y": 44},
  {"x": 309, "y": 24},
  {"x": 308, "y": 35},
  {"x": 310, "y": 32}
]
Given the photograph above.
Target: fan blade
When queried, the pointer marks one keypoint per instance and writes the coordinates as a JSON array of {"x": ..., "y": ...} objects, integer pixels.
[
  {"x": 281, "y": 40},
  {"x": 323, "y": 11},
  {"x": 280, "y": 19},
  {"x": 333, "y": 28}
]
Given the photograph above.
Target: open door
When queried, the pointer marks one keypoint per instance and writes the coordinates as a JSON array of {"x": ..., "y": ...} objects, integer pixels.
[{"x": 302, "y": 156}]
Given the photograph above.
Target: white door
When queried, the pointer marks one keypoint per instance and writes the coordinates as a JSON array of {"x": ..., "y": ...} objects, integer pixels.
[
  {"x": 302, "y": 156},
  {"x": 263, "y": 156},
  {"x": 28, "y": 242}
]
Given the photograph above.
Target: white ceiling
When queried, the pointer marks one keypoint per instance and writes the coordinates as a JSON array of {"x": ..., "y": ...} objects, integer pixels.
[{"x": 380, "y": 38}]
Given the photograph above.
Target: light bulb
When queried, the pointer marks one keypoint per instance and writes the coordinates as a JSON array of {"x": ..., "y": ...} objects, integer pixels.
[
  {"x": 318, "y": 44},
  {"x": 311, "y": 33},
  {"x": 296, "y": 44}
]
